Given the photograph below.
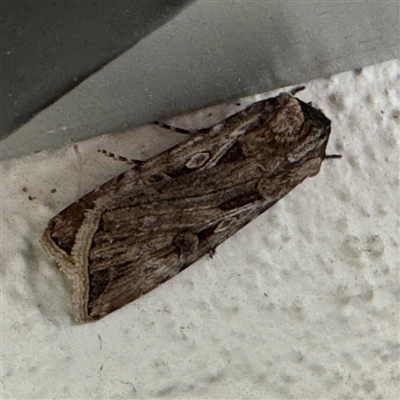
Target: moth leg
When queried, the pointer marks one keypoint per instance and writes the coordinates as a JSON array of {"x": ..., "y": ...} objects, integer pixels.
[
  {"x": 327, "y": 156},
  {"x": 120, "y": 158},
  {"x": 181, "y": 130},
  {"x": 296, "y": 90},
  {"x": 212, "y": 252}
]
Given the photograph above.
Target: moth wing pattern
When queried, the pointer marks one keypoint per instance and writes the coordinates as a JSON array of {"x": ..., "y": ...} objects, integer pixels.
[{"x": 148, "y": 224}]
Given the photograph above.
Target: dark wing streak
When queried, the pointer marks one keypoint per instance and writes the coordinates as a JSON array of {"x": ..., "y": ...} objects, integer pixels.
[
  {"x": 128, "y": 185},
  {"x": 131, "y": 224}
]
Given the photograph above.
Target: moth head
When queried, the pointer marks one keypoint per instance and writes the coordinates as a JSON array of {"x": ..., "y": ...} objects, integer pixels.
[{"x": 312, "y": 137}]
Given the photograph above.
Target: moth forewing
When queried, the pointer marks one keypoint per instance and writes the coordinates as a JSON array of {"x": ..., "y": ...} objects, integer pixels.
[{"x": 146, "y": 225}]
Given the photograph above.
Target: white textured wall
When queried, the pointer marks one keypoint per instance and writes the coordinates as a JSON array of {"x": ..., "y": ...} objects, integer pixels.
[{"x": 301, "y": 304}]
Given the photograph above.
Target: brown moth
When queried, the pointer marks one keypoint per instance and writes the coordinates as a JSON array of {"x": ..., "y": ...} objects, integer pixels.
[{"x": 148, "y": 224}]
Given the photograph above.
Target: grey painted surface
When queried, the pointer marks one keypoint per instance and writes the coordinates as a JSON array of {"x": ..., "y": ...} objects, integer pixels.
[
  {"x": 214, "y": 52},
  {"x": 49, "y": 47}
]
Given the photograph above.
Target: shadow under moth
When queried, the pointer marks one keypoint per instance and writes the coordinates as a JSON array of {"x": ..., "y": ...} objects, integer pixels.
[{"x": 146, "y": 225}]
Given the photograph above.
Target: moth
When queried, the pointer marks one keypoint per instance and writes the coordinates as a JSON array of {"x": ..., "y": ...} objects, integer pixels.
[{"x": 146, "y": 225}]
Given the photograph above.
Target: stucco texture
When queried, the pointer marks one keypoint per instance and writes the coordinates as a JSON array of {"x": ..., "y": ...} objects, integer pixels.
[{"x": 303, "y": 303}]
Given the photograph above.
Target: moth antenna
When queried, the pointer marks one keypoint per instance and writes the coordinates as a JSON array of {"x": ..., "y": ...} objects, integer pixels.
[
  {"x": 172, "y": 128},
  {"x": 120, "y": 158}
]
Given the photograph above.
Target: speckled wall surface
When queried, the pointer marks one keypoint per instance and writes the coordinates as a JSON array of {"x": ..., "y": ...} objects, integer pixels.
[{"x": 303, "y": 303}]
